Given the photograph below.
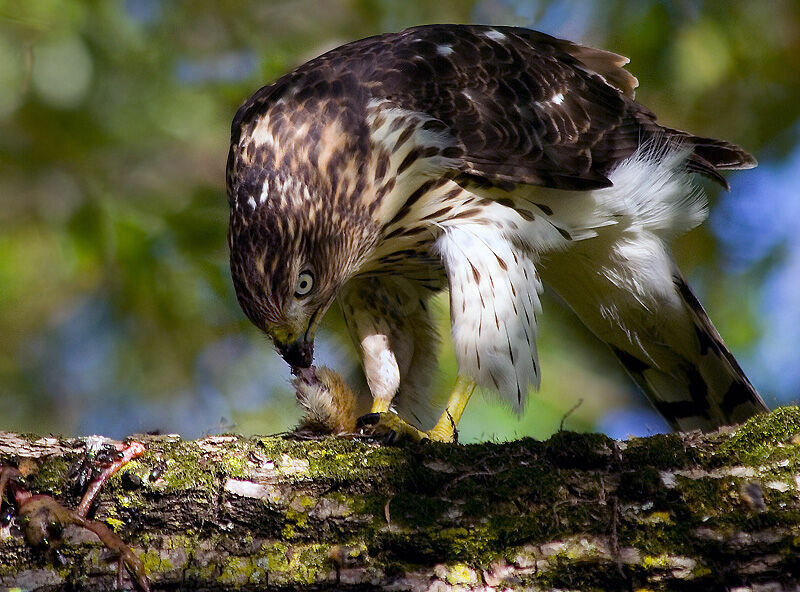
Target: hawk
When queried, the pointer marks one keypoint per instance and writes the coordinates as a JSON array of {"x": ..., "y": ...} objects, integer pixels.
[{"x": 487, "y": 161}]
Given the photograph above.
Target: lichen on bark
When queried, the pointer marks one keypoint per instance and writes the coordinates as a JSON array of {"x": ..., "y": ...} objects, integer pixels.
[{"x": 578, "y": 511}]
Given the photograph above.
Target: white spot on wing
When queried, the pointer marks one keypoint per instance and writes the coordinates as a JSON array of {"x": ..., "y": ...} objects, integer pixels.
[
  {"x": 264, "y": 192},
  {"x": 444, "y": 50},
  {"x": 251, "y": 202},
  {"x": 495, "y": 35},
  {"x": 262, "y": 135},
  {"x": 558, "y": 98}
]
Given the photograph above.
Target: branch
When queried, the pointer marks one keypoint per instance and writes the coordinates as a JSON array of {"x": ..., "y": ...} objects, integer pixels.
[{"x": 579, "y": 511}]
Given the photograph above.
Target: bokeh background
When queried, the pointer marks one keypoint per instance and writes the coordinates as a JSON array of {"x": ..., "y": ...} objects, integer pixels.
[{"x": 117, "y": 313}]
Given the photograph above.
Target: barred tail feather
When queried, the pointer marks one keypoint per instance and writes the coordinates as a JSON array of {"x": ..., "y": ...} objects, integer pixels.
[
  {"x": 733, "y": 398},
  {"x": 700, "y": 386},
  {"x": 674, "y": 354},
  {"x": 624, "y": 286},
  {"x": 709, "y": 156}
]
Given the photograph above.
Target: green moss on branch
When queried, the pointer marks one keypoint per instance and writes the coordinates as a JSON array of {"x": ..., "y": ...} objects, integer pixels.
[{"x": 579, "y": 510}]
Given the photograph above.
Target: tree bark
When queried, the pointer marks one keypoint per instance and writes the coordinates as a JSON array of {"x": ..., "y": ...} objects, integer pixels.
[{"x": 579, "y": 512}]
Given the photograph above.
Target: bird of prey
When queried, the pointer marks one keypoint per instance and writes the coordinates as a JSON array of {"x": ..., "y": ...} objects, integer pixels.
[{"x": 488, "y": 161}]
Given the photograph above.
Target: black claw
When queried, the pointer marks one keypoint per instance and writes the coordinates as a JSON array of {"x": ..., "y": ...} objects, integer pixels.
[
  {"x": 455, "y": 429},
  {"x": 390, "y": 438},
  {"x": 370, "y": 419}
]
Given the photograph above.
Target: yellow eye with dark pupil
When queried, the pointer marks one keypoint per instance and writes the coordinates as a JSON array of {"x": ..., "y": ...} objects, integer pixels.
[{"x": 305, "y": 281}]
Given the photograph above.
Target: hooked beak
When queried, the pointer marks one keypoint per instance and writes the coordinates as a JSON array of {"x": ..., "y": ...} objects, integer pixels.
[{"x": 298, "y": 354}]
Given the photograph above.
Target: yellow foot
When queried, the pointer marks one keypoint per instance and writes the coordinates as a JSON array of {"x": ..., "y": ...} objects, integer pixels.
[
  {"x": 391, "y": 429},
  {"x": 388, "y": 426}
]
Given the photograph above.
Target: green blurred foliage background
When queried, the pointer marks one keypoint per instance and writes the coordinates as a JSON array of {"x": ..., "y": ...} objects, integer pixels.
[{"x": 117, "y": 313}]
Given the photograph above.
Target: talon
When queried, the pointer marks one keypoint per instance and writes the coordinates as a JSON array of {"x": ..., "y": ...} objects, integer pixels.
[
  {"x": 453, "y": 425},
  {"x": 388, "y": 428},
  {"x": 370, "y": 419}
]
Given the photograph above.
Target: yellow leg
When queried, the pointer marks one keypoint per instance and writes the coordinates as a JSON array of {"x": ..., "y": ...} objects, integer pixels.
[
  {"x": 383, "y": 422},
  {"x": 380, "y": 405},
  {"x": 445, "y": 428}
]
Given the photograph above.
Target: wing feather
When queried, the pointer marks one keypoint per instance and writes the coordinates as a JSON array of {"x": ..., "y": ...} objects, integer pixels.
[
  {"x": 525, "y": 107},
  {"x": 519, "y": 106}
]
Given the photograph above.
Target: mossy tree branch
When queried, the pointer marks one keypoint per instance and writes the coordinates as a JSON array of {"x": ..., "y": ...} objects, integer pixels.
[{"x": 579, "y": 511}]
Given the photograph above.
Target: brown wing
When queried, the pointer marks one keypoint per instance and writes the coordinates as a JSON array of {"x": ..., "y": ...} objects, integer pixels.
[
  {"x": 525, "y": 107},
  {"x": 520, "y": 106}
]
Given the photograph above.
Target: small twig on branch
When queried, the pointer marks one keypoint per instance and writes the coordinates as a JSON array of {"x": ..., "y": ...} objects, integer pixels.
[{"x": 568, "y": 413}]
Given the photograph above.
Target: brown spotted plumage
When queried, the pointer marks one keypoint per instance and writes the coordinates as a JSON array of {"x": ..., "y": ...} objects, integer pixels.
[{"x": 486, "y": 160}]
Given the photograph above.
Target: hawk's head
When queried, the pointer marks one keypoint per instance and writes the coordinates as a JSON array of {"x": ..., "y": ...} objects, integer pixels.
[
  {"x": 297, "y": 230},
  {"x": 287, "y": 269}
]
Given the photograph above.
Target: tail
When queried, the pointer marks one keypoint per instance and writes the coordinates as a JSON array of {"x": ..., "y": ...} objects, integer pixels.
[
  {"x": 720, "y": 393},
  {"x": 697, "y": 383},
  {"x": 710, "y": 156},
  {"x": 670, "y": 349},
  {"x": 624, "y": 285}
]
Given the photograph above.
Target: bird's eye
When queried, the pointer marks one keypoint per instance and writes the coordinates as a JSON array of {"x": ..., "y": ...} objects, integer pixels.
[{"x": 305, "y": 281}]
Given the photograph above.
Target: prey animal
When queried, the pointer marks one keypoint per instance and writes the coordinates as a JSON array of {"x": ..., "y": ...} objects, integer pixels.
[{"x": 488, "y": 161}]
